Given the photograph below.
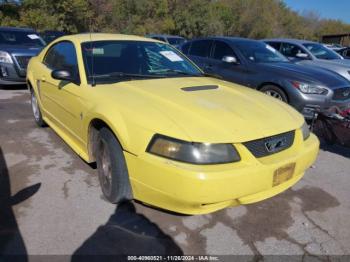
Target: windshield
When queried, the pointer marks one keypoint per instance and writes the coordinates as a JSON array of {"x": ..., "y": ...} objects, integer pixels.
[
  {"x": 50, "y": 36},
  {"x": 175, "y": 40},
  {"x": 113, "y": 60},
  {"x": 321, "y": 52},
  {"x": 20, "y": 38},
  {"x": 259, "y": 52}
]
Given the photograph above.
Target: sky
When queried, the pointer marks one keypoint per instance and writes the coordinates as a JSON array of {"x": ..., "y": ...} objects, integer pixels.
[{"x": 335, "y": 9}]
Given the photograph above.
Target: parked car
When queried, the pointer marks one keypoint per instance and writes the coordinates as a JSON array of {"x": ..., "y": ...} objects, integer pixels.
[
  {"x": 257, "y": 65},
  {"x": 162, "y": 132},
  {"x": 50, "y": 35},
  {"x": 174, "y": 40},
  {"x": 17, "y": 46},
  {"x": 311, "y": 53},
  {"x": 334, "y": 47},
  {"x": 344, "y": 52}
]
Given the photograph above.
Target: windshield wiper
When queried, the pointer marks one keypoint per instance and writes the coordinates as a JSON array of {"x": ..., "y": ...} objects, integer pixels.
[
  {"x": 179, "y": 72},
  {"x": 190, "y": 74},
  {"x": 126, "y": 75}
]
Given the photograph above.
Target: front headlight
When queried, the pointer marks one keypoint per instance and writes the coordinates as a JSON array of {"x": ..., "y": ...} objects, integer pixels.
[
  {"x": 5, "y": 57},
  {"x": 309, "y": 89},
  {"x": 306, "y": 131},
  {"x": 195, "y": 153}
]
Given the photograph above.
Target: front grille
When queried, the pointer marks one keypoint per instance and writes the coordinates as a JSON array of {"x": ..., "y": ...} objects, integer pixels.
[
  {"x": 341, "y": 93},
  {"x": 23, "y": 61},
  {"x": 264, "y": 146}
]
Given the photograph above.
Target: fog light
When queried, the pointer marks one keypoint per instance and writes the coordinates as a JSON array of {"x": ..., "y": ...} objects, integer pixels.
[{"x": 4, "y": 71}]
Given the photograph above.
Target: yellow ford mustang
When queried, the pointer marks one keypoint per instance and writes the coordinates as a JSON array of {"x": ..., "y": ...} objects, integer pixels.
[{"x": 162, "y": 132}]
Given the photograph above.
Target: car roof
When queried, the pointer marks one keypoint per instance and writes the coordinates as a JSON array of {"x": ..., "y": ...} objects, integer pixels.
[
  {"x": 53, "y": 32},
  {"x": 18, "y": 29},
  {"x": 290, "y": 40},
  {"x": 87, "y": 37},
  {"x": 227, "y": 39},
  {"x": 160, "y": 35}
]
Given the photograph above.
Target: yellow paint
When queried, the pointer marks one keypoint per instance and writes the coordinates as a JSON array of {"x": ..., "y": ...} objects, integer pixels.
[{"x": 136, "y": 110}]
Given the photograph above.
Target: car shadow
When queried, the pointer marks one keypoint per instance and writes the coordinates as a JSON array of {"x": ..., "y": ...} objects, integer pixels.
[
  {"x": 126, "y": 233},
  {"x": 11, "y": 241},
  {"x": 335, "y": 148},
  {"x": 13, "y": 87}
]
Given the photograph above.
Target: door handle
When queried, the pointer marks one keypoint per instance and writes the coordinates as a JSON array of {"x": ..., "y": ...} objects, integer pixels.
[
  {"x": 43, "y": 79},
  {"x": 208, "y": 67}
]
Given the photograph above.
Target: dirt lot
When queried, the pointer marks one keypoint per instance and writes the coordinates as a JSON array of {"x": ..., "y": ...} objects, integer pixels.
[{"x": 57, "y": 207}]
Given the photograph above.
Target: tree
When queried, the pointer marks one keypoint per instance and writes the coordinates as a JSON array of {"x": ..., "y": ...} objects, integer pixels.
[{"x": 189, "y": 18}]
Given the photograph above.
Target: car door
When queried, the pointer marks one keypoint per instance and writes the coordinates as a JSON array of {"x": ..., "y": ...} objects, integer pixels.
[
  {"x": 233, "y": 72},
  {"x": 199, "y": 52},
  {"x": 62, "y": 99}
]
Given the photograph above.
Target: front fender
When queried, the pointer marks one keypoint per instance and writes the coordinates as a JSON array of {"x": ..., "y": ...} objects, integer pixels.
[
  {"x": 132, "y": 137},
  {"x": 30, "y": 76}
]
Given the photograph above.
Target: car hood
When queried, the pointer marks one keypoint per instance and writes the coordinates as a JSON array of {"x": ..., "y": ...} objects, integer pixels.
[
  {"x": 20, "y": 49},
  {"x": 340, "y": 66},
  {"x": 308, "y": 73},
  {"x": 342, "y": 62},
  {"x": 210, "y": 110}
]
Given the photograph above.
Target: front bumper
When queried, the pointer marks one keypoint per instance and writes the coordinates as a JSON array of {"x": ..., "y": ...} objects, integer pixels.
[
  {"x": 197, "y": 189},
  {"x": 10, "y": 75},
  {"x": 309, "y": 104},
  {"x": 309, "y": 110}
]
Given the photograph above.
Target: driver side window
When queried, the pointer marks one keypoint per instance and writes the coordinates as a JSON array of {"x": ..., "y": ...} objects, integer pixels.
[
  {"x": 347, "y": 53},
  {"x": 62, "y": 56},
  {"x": 291, "y": 50},
  {"x": 221, "y": 50}
]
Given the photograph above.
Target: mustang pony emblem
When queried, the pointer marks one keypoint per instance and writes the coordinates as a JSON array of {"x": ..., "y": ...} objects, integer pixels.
[
  {"x": 346, "y": 93},
  {"x": 276, "y": 144}
]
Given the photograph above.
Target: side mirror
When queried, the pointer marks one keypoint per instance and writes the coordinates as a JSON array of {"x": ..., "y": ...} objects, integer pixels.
[
  {"x": 302, "y": 56},
  {"x": 64, "y": 75},
  {"x": 230, "y": 60}
]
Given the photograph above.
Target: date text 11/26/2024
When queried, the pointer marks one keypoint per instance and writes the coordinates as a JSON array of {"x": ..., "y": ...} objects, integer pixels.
[{"x": 173, "y": 258}]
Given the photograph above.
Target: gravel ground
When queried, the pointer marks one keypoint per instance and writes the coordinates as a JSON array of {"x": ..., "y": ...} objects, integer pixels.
[{"x": 51, "y": 204}]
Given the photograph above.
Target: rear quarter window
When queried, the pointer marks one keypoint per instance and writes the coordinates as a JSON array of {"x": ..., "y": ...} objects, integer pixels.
[
  {"x": 201, "y": 48},
  {"x": 185, "y": 48}
]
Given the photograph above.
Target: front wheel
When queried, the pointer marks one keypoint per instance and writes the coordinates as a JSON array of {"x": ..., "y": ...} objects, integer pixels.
[
  {"x": 275, "y": 92},
  {"x": 112, "y": 170},
  {"x": 36, "y": 110}
]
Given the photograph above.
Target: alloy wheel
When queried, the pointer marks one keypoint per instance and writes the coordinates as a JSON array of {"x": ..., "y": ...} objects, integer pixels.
[
  {"x": 274, "y": 94},
  {"x": 35, "y": 107},
  {"x": 106, "y": 169}
]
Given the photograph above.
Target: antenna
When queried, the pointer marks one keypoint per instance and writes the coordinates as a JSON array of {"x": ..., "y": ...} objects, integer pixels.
[{"x": 93, "y": 83}]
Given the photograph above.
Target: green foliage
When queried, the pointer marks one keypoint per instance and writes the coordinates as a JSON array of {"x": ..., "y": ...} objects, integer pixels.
[
  {"x": 189, "y": 18},
  {"x": 65, "y": 15}
]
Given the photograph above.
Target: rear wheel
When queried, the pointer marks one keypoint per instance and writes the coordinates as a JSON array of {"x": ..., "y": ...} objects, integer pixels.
[
  {"x": 36, "y": 110},
  {"x": 275, "y": 92},
  {"x": 112, "y": 170}
]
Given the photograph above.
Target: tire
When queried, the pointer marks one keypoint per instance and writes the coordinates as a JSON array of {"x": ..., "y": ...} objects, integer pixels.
[
  {"x": 36, "y": 110},
  {"x": 111, "y": 166},
  {"x": 275, "y": 92}
]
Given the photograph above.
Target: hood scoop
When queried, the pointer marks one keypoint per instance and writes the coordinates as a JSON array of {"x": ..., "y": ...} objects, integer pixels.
[{"x": 199, "y": 88}]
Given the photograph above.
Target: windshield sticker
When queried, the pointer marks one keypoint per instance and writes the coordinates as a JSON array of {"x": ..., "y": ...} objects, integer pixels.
[
  {"x": 98, "y": 51},
  {"x": 33, "y": 36},
  {"x": 171, "y": 56},
  {"x": 271, "y": 48}
]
